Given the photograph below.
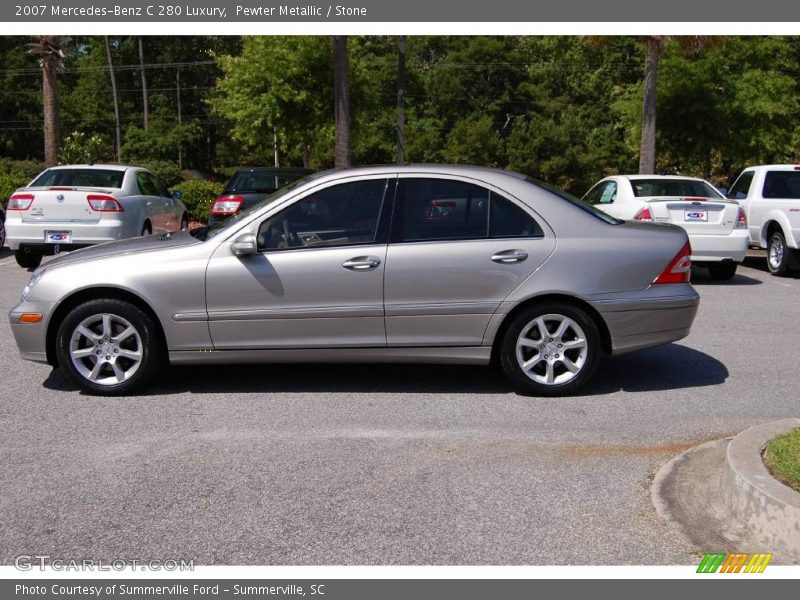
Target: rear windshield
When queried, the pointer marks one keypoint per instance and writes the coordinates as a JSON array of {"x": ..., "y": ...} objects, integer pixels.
[
  {"x": 782, "y": 184},
  {"x": 673, "y": 187},
  {"x": 260, "y": 181},
  {"x": 99, "y": 178},
  {"x": 585, "y": 206}
]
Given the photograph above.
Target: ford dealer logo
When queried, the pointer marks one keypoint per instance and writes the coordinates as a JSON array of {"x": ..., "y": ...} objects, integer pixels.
[
  {"x": 694, "y": 215},
  {"x": 60, "y": 197},
  {"x": 58, "y": 237}
]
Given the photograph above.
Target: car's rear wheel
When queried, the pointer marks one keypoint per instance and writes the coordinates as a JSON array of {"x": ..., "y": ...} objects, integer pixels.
[
  {"x": 2, "y": 230},
  {"x": 778, "y": 254},
  {"x": 550, "y": 350},
  {"x": 184, "y": 223},
  {"x": 109, "y": 347},
  {"x": 28, "y": 258},
  {"x": 147, "y": 229},
  {"x": 722, "y": 271}
]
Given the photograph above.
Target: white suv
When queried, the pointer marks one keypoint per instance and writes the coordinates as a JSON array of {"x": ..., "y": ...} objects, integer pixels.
[{"x": 770, "y": 196}]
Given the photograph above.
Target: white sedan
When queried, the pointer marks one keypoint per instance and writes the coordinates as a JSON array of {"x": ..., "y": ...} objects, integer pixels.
[
  {"x": 717, "y": 226},
  {"x": 69, "y": 207}
]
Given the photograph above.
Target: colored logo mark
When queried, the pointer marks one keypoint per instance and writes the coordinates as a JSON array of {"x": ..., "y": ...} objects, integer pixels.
[{"x": 740, "y": 562}]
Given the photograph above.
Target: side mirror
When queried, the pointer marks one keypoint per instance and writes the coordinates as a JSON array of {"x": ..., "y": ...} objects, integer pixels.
[
  {"x": 177, "y": 195},
  {"x": 244, "y": 245}
]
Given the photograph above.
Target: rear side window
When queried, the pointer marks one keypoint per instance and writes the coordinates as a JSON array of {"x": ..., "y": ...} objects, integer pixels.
[
  {"x": 643, "y": 188},
  {"x": 443, "y": 209},
  {"x": 147, "y": 186},
  {"x": 741, "y": 188},
  {"x": 782, "y": 184},
  {"x": 603, "y": 193},
  {"x": 261, "y": 181},
  {"x": 99, "y": 178}
]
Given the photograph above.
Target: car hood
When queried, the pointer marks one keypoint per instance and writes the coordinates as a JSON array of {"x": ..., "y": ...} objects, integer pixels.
[{"x": 138, "y": 244}]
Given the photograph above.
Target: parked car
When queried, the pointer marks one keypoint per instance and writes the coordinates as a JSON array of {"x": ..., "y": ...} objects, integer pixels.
[
  {"x": 422, "y": 264},
  {"x": 2, "y": 226},
  {"x": 770, "y": 196},
  {"x": 69, "y": 207},
  {"x": 249, "y": 186},
  {"x": 717, "y": 227}
]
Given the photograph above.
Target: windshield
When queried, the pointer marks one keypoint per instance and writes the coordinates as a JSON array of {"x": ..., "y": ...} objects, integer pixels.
[
  {"x": 575, "y": 201},
  {"x": 207, "y": 233},
  {"x": 645, "y": 188},
  {"x": 99, "y": 178}
]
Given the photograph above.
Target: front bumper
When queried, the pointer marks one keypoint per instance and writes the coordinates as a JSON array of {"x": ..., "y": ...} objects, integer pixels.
[
  {"x": 31, "y": 234},
  {"x": 31, "y": 338},
  {"x": 716, "y": 248},
  {"x": 658, "y": 315}
]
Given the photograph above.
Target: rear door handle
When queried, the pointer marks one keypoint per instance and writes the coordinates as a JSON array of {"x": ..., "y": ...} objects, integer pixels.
[
  {"x": 362, "y": 263},
  {"x": 510, "y": 256}
]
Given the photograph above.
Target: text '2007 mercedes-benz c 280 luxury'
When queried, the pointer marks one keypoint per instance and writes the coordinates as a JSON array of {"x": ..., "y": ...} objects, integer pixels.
[{"x": 416, "y": 264}]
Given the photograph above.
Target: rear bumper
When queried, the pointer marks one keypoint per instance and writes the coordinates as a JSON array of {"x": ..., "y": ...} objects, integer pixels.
[
  {"x": 31, "y": 234},
  {"x": 716, "y": 248},
  {"x": 659, "y": 315}
]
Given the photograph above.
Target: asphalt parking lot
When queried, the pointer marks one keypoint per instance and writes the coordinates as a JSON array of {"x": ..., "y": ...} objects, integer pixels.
[{"x": 385, "y": 464}]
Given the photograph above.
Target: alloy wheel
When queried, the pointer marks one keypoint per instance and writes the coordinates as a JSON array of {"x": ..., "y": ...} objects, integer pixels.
[
  {"x": 552, "y": 349},
  {"x": 106, "y": 349}
]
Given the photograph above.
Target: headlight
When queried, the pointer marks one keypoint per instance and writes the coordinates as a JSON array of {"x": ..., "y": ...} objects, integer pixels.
[{"x": 31, "y": 284}]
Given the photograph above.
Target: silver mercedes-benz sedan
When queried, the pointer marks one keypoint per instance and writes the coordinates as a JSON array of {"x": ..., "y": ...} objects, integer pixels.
[{"x": 415, "y": 264}]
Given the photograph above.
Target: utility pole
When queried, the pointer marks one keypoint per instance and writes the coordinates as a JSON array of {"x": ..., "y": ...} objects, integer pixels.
[
  {"x": 401, "y": 99},
  {"x": 180, "y": 119},
  {"x": 116, "y": 100},
  {"x": 145, "y": 100}
]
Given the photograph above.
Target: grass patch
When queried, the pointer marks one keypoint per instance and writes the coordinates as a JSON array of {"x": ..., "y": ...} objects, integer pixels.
[{"x": 782, "y": 458}]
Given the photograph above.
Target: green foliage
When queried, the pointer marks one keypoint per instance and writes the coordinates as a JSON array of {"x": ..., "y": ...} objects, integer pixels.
[
  {"x": 80, "y": 148},
  {"x": 198, "y": 196},
  {"x": 474, "y": 141},
  {"x": 782, "y": 457},
  {"x": 169, "y": 172},
  {"x": 15, "y": 174}
]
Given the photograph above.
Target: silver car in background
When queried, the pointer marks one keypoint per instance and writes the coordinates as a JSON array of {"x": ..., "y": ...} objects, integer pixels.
[
  {"x": 70, "y": 207},
  {"x": 419, "y": 264}
]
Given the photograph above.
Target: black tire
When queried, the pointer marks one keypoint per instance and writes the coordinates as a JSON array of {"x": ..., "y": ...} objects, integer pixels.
[
  {"x": 27, "y": 258},
  {"x": 147, "y": 229},
  {"x": 778, "y": 254},
  {"x": 148, "y": 346},
  {"x": 2, "y": 230},
  {"x": 722, "y": 271},
  {"x": 526, "y": 384},
  {"x": 184, "y": 223}
]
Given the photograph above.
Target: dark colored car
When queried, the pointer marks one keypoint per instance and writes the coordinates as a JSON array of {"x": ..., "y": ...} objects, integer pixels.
[{"x": 251, "y": 185}]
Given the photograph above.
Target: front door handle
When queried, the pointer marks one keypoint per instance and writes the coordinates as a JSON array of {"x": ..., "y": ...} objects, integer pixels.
[
  {"x": 510, "y": 256},
  {"x": 362, "y": 263}
]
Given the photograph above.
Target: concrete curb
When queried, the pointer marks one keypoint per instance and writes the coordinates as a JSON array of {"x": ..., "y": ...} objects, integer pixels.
[{"x": 756, "y": 500}]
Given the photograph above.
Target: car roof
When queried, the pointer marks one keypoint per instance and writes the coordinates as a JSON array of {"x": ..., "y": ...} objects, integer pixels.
[
  {"x": 482, "y": 173},
  {"x": 275, "y": 170},
  {"x": 784, "y": 167},
  {"x": 666, "y": 177},
  {"x": 94, "y": 166}
]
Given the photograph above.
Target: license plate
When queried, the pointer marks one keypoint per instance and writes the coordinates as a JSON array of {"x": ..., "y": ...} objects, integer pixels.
[
  {"x": 57, "y": 237},
  {"x": 695, "y": 215}
]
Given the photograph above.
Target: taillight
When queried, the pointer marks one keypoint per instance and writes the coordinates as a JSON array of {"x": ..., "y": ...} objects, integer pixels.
[
  {"x": 103, "y": 203},
  {"x": 741, "y": 219},
  {"x": 679, "y": 269},
  {"x": 20, "y": 202},
  {"x": 225, "y": 206},
  {"x": 643, "y": 215}
]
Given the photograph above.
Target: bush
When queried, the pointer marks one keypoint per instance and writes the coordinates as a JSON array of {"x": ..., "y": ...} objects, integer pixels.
[
  {"x": 198, "y": 196},
  {"x": 169, "y": 172},
  {"x": 80, "y": 148},
  {"x": 16, "y": 174}
]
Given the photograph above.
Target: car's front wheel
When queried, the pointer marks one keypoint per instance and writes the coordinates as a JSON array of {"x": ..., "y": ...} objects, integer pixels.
[
  {"x": 550, "y": 350},
  {"x": 109, "y": 347},
  {"x": 778, "y": 254}
]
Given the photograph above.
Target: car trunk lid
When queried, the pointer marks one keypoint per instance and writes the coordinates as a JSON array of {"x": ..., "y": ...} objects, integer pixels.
[
  {"x": 707, "y": 216},
  {"x": 63, "y": 204}
]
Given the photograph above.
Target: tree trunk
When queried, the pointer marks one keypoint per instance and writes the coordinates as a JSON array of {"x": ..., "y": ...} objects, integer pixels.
[
  {"x": 341, "y": 101},
  {"x": 145, "y": 100},
  {"x": 401, "y": 99},
  {"x": 118, "y": 129},
  {"x": 50, "y": 106},
  {"x": 647, "y": 154}
]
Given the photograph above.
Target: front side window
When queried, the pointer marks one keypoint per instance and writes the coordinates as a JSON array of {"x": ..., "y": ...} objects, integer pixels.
[
  {"x": 341, "y": 215},
  {"x": 741, "y": 188},
  {"x": 443, "y": 209}
]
